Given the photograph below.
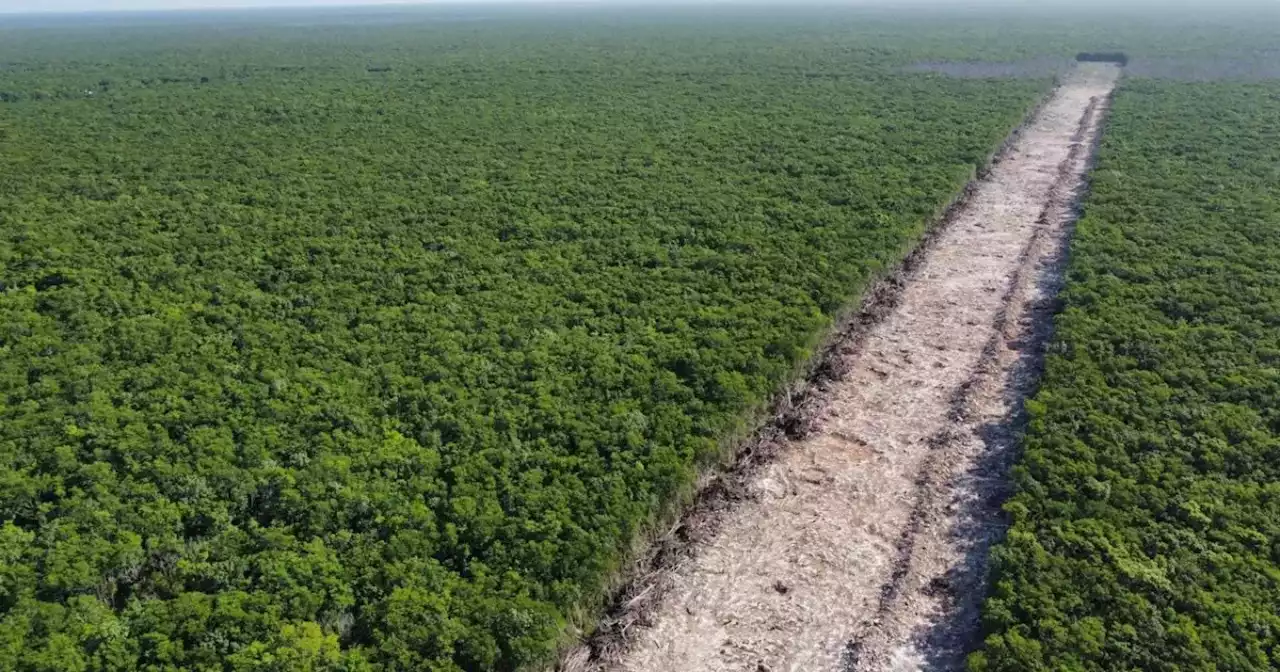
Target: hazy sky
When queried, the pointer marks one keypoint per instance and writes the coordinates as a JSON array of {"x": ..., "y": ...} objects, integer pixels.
[
  {"x": 107, "y": 5},
  {"x": 14, "y": 6}
]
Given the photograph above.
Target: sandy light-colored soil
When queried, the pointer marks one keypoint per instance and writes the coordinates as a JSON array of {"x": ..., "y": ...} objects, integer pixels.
[{"x": 863, "y": 545}]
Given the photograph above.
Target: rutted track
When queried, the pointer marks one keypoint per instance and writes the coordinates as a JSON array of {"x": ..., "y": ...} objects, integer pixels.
[
  {"x": 928, "y": 615},
  {"x": 863, "y": 545}
]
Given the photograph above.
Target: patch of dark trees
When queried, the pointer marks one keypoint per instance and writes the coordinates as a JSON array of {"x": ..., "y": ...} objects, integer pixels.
[{"x": 1103, "y": 57}]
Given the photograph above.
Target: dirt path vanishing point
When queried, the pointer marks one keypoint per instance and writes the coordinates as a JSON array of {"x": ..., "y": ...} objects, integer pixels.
[{"x": 863, "y": 546}]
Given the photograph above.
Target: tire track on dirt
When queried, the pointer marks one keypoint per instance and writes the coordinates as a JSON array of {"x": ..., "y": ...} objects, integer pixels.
[
  {"x": 928, "y": 617},
  {"x": 829, "y": 555}
]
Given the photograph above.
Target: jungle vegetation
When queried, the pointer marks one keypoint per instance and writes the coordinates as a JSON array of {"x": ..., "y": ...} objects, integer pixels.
[
  {"x": 355, "y": 346},
  {"x": 1146, "y": 524},
  {"x": 368, "y": 340}
]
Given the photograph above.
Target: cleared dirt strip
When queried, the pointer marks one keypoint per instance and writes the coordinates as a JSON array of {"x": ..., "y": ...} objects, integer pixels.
[
  {"x": 863, "y": 545},
  {"x": 928, "y": 617}
]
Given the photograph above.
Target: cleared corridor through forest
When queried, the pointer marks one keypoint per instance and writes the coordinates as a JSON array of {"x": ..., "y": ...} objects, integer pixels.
[{"x": 864, "y": 545}]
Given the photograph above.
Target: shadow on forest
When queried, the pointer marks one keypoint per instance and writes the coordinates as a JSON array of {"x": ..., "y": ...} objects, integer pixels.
[
  {"x": 1249, "y": 66},
  {"x": 1254, "y": 65},
  {"x": 1036, "y": 67}
]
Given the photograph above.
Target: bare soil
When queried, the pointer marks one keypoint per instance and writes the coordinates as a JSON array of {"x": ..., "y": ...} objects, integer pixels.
[{"x": 860, "y": 542}]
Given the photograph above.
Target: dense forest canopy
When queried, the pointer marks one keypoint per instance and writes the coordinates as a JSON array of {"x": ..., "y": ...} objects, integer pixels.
[
  {"x": 1146, "y": 528},
  {"x": 371, "y": 347},
  {"x": 369, "y": 341}
]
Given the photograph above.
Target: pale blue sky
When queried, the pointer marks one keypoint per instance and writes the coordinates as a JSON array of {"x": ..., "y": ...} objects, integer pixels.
[
  {"x": 15, "y": 6},
  {"x": 133, "y": 5}
]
